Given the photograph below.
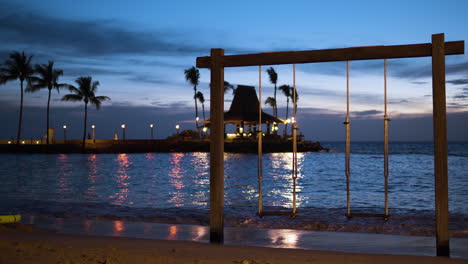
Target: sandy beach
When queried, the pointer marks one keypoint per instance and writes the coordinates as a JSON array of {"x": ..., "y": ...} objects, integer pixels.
[{"x": 24, "y": 244}]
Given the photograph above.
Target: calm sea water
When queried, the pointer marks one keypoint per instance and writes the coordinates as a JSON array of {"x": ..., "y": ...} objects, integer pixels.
[{"x": 181, "y": 180}]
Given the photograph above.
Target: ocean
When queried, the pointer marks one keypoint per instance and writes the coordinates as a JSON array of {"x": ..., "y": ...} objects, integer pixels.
[{"x": 115, "y": 185}]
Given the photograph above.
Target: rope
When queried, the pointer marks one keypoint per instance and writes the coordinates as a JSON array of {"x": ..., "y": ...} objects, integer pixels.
[
  {"x": 260, "y": 135},
  {"x": 385, "y": 140},
  {"x": 294, "y": 134},
  {"x": 348, "y": 146}
]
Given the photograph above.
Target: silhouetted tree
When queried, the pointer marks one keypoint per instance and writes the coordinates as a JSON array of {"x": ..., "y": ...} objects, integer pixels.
[
  {"x": 85, "y": 92},
  {"x": 271, "y": 102},
  {"x": 201, "y": 98},
  {"x": 192, "y": 75},
  {"x": 287, "y": 91},
  {"x": 273, "y": 79},
  {"x": 48, "y": 78},
  {"x": 228, "y": 86},
  {"x": 17, "y": 67}
]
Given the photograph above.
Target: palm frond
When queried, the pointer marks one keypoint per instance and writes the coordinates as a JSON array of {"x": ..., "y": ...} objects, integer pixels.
[
  {"x": 273, "y": 75},
  {"x": 270, "y": 101},
  {"x": 192, "y": 75},
  {"x": 200, "y": 97},
  {"x": 286, "y": 89},
  {"x": 228, "y": 86}
]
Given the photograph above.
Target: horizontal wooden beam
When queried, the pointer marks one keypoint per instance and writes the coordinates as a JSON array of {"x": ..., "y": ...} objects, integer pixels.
[{"x": 327, "y": 55}]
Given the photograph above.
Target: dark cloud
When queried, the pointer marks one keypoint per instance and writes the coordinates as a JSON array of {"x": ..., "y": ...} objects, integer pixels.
[
  {"x": 404, "y": 101},
  {"x": 21, "y": 27},
  {"x": 458, "y": 81},
  {"x": 366, "y": 112},
  {"x": 86, "y": 38},
  {"x": 414, "y": 71},
  {"x": 419, "y": 83},
  {"x": 147, "y": 79}
]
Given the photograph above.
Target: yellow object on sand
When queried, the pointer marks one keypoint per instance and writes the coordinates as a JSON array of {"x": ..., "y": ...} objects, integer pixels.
[{"x": 4, "y": 219}]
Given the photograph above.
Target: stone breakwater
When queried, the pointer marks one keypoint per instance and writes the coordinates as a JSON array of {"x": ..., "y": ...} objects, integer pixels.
[{"x": 142, "y": 146}]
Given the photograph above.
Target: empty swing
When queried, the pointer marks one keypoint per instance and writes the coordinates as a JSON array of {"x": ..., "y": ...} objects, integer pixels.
[
  {"x": 260, "y": 211},
  {"x": 348, "y": 149}
]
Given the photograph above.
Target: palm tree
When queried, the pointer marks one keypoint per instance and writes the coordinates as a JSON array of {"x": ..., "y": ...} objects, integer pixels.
[
  {"x": 201, "y": 98},
  {"x": 273, "y": 79},
  {"x": 287, "y": 91},
  {"x": 271, "y": 102},
  {"x": 192, "y": 75},
  {"x": 85, "y": 92},
  {"x": 18, "y": 66},
  {"x": 228, "y": 86},
  {"x": 48, "y": 78}
]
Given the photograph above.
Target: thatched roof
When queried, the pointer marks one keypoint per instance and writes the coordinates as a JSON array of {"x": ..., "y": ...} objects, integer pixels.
[{"x": 244, "y": 108}]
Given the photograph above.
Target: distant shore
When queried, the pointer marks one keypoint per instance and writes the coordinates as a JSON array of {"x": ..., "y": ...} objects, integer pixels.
[{"x": 143, "y": 146}]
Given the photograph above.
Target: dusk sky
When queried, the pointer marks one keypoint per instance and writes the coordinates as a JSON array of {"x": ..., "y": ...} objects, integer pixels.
[{"x": 138, "y": 52}]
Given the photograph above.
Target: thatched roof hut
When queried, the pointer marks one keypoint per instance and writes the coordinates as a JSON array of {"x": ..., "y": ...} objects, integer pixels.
[{"x": 244, "y": 108}]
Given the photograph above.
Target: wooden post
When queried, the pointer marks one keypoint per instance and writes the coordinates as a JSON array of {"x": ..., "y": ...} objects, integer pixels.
[
  {"x": 440, "y": 145},
  {"x": 217, "y": 148}
]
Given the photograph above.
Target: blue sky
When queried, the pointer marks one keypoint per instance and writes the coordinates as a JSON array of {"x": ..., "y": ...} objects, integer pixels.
[{"x": 138, "y": 51}]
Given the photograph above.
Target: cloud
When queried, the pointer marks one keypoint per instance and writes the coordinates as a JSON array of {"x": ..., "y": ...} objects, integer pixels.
[
  {"x": 421, "y": 83},
  {"x": 87, "y": 38},
  {"x": 366, "y": 112},
  {"x": 21, "y": 27},
  {"x": 458, "y": 81},
  {"x": 403, "y": 101}
]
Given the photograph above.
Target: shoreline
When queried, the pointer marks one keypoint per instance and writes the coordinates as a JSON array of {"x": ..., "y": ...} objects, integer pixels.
[
  {"x": 25, "y": 244},
  {"x": 145, "y": 146},
  {"x": 401, "y": 222}
]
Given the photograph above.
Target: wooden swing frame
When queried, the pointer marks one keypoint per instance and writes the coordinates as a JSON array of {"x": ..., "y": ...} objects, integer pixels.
[{"x": 437, "y": 49}]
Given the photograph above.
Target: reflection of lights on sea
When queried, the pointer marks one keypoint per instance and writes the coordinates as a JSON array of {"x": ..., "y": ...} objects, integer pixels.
[
  {"x": 122, "y": 178},
  {"x": 87, "y": 226},
  {"x": 119, "y": 227},
  {"x": 282, "y": 165},
  {"x": 172, "y": 232},
  {"x": 176, "y": 174},
  {"x": 200, "y": 231},
  {"x": 284, "y": 238}
]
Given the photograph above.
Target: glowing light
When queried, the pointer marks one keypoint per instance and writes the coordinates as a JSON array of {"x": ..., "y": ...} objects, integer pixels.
[
  {"x": 197, "y": 118},
  {"x": 37, "y": 141},
  {"x": 64, "y": 126},
  {"x": 241, "y": 130},
  {"x": 205, "y": 129},
  {"x": 9, "y": 142},
  {"x": 177, "y": 127},
  {"x": 123, "y": 125},
  {"x": 93, "y": 126},
  {"x": 151, "y": 125},
  {"x": 22, "y": 142},
  {"x": 231, "y": 135}
]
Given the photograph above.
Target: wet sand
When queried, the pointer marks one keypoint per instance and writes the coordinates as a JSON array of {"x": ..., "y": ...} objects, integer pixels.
[{"x": 23, "y": 244}]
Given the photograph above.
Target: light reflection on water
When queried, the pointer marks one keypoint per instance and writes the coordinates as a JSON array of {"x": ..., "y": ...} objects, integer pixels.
[
  {"x": 167, "y": 180},
  {"x": 284, "y": 238},
  {"x": 119, "y": 228},
  {"x": 122, "y": 179}
]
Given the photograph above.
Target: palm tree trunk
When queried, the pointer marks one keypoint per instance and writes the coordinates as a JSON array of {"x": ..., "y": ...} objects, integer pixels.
[
  {"x": 48, "y": 106},
  {"x": 18, "y": 137},
  {"x": 196, "y": 106},
  {"x": 203, "y": 107},
  {"x": 85, "y": 120},
  {"x": 275, "y": 108},
  {"x": 287, "y": 112}
]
